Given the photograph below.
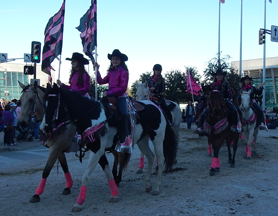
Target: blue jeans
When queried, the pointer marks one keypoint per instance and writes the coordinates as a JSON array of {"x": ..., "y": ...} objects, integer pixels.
[
  {"x": 36, "y": 130},
  {"x": 189, "y": 119},
  {"x": 122, "y": 106}
]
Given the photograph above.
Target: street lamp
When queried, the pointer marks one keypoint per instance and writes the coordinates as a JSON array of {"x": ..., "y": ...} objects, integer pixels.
[{"x": 6, "y": 92}]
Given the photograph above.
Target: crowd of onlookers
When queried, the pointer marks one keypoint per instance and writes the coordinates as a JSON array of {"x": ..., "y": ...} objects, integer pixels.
[{"x": 9, "y": 114}]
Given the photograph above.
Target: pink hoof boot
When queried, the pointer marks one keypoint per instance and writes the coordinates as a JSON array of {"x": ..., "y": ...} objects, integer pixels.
[
  {"x": 82, "y": 195},
  {"x": 113, "y": 188}
]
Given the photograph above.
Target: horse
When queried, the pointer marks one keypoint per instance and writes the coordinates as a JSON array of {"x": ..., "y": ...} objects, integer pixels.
[
  {"x": 249, "y": 123},
  {"x": 32, "y": 102},
  {"x": 143, "y": 93},
  {"x": 217, "y": 128},
  {"x": 88, "y": 116}
]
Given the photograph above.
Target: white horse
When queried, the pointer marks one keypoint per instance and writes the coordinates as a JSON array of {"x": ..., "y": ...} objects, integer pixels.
[
  {"x": 143, "y": 93},
  {"x": 66, "y": 109},
  {"x": 249, "y": 123}
]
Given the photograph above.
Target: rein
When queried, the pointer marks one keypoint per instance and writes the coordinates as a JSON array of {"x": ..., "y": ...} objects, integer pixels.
[{"x": 37, "y": 98}]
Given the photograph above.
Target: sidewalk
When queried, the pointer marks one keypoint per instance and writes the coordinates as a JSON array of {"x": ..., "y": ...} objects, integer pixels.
[{"x": 22, "y": 145}]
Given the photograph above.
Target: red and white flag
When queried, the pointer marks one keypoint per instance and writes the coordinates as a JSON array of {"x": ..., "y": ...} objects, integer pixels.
[
  {"x": 192, "y": 86},
  {"x": 222, "y": 1}
]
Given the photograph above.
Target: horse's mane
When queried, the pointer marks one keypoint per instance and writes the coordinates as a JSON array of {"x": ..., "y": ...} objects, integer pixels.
[
  {"x": 215, "y": 98},
  {"x": 78, "y": 105},
  {"x": 40, "y": 87}
]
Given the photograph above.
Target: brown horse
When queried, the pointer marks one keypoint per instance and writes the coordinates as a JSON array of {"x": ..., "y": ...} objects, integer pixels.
[{"x": 217, "y": 128}]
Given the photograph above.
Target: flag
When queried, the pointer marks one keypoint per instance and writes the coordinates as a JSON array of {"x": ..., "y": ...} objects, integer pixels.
[
  {"x": 88, "y": 29},
  {"x": 192, "y": 86},
  {"x": 270, "y": 1},
  {"x": 53, "y": 41},
  {"x": 223, "y": 1}
]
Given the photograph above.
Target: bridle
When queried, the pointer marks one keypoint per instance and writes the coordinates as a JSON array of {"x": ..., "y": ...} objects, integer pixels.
[{"x": 36, "y": 99}]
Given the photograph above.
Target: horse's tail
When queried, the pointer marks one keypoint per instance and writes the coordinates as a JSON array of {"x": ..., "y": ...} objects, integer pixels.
[{"x": 170, "y": 145}]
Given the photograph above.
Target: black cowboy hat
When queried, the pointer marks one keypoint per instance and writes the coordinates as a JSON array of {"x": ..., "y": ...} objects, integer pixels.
[
  {"x": 219, "y": 71},
  {"x": 246, "y": 77},
  {"x": 117, "y": 52},
  {"x": 78, "y": 57}
]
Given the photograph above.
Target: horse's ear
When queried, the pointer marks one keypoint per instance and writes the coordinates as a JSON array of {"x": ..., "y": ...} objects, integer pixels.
[
  {"x": 241, "y": 91},
  {"x": 21, "y": 85},
  {"x": 48, "y": 86},
  {"x": 249, "y": 92},
  {"x": 136, "y": 84},
  {"x": 55, "y": 86},
  {"x": 146, "y": 84}
]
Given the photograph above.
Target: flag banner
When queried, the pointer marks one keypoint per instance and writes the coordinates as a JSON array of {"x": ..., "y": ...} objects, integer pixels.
[
  {"x": 88, "y": 29},
  {"x": 270, "y": 1},
  {"x": 53, "y": 41},
  {"x": 192, "y": 86},
  {"x": 223, "y": 1}
]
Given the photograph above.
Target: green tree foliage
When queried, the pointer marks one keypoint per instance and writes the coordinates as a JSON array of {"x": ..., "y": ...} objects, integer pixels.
[{"x": 100, "y": 89}]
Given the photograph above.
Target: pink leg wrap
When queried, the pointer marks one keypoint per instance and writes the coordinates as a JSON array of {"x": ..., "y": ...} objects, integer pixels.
[
  {"x": 81, "y": 198},
  {"x": 209, "y": 149},
  {"x": 213, "y": 163},
  {"x": 241, "y": 136},
  {"x": 141, "y": 163},
  {"x": 113, "y": 187},
  {"x": 218, "y": 163},
  {"x": 40, "y": 189},
  {"x": 248, "y": 151},
  {"x": 69, "y": 181}
]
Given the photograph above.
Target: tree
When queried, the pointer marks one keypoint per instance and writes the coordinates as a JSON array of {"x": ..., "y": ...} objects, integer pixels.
[
  {"x": 100, "y": 89},
  {"x": 175, "y": 82}
]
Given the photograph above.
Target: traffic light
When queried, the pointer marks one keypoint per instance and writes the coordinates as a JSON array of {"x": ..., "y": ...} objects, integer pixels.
[
  {"x": 36, "y": 52},
  {"x": 261, "y": 36}
]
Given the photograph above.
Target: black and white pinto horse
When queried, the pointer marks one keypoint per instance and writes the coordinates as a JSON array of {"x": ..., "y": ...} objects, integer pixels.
[
  {"x": 143, "y": 93},
  {"x": 250, "y": 124},
  {"x": 68, "y": 111}
]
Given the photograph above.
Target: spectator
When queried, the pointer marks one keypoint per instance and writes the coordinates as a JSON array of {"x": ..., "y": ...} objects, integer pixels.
[
  {"x": 189, "y": 112},
  {"x": 183, "y": 115},
  {"x": 18, "y": 108},
  {"x": 13, "y": 108},
  {"x": 7, "y": 121}
]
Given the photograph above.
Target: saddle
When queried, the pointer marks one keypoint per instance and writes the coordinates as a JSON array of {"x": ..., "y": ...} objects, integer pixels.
[{"x": 112, "y": 104}]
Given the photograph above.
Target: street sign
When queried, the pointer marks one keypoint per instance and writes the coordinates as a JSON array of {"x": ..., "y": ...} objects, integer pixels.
[
  {"x": 27, "y": 57},
  {"x": 274, "y": 33},
  {"x": 28, "y": 70},
  {"x": 33, "y": 80},
  {"x": 3, "y": 57}
]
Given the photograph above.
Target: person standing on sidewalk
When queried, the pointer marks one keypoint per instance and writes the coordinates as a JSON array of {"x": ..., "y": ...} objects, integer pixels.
[
  {"x": 189, "y": 112},
  {"x": 13, "y": 111},
  {"x": 8, "y": 119}
]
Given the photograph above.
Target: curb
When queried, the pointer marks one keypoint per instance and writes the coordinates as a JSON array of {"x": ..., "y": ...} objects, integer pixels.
[{"x": 20, "y": 147}]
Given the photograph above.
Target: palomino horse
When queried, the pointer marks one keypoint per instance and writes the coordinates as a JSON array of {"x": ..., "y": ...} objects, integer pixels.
[
  {"x": 249, "y": 123},
  {"x": 217, "y": 128},
  {"x": 66, "y": 109},
  {"x": 143, "y": 93}
]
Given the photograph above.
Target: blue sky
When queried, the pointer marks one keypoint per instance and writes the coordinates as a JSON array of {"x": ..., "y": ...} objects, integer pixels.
[{"x": 172, "y": 33}]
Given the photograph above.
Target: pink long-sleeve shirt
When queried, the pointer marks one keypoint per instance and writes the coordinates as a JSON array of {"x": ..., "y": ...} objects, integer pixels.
[
  {"x": 117, "y": 80},
  {"x": 84, "y": 89}
]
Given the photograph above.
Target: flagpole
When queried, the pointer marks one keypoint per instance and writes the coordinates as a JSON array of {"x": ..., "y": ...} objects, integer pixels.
[
  {"x": 264, "y": 54},
  {"x": 59, "y": 66},
  {"x": 96, "y": 74},
  {"x": 219, "y": 36},
  {"x": 240, "y": 52}
]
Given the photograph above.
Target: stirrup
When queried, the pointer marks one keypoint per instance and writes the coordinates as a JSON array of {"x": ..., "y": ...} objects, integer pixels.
[
  {"x": 262, "y": 126},
  {"x": 200, "y": 130},
  {"x": 234, "y": 129}
]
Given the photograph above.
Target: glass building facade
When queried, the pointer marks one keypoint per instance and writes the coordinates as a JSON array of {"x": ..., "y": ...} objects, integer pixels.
[{"x": 9, "y": 83}]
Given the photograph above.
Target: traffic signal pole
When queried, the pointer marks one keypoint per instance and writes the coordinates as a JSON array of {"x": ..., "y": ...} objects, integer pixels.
[
  {"x": 35, "y": 70},
  {"x": 264, "y": 55}
]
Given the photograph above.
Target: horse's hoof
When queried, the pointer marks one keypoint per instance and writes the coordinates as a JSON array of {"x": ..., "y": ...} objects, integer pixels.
[
  {"x": 140, "y": 171},
  {"x": 212, "y": 172},
  {"x": 248, "y": 157},
  {"x": 66, "y": 191},
  {"x": 155, "y": 193},
  {"x": 76, "y": 209},
  {"x": 149, "y": 189},
  {"x": 209, "y": 154},
  {"x": 217, "y": 169},
  {"x": 35, "y": 199},
  {"x": 113, "y": 200}
]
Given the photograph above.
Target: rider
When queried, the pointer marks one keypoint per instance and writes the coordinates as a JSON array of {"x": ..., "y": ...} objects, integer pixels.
[
  {"x": 246, "y": 86},
  {"x": 219, "y": 83},
  {"x": 157, "y": 86},
  {"x": 79, "y": 78},
  {"x": 117, "y": 79}
]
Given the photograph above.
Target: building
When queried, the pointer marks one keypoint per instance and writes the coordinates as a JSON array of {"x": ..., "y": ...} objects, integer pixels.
[
  {"x": 11, "y": 73},
  {"x": 254, "y": 68}
]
